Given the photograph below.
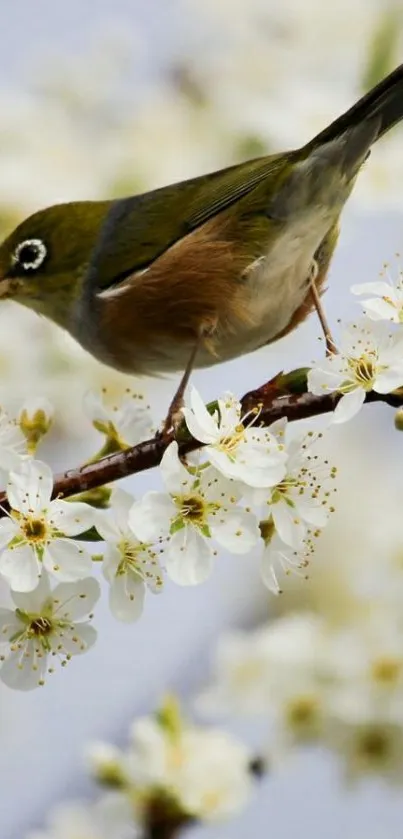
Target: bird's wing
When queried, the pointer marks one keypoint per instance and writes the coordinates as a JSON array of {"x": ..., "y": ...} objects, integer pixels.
[{"x": 138, "y": 229}]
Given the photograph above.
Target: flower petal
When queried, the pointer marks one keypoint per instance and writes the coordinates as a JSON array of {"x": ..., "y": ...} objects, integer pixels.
[
  {"x": 30, "y": 487},
  {"x": 389, "y": 380},
  {"x": 33, "y": 601},
  {"x": 21, "y": 568},
  {"x": 176, "y": 478},
  {"x": 188, "y": 559},
  {"x": 151, "y": 517},
  {"x": 133, "y": 421},
  {"x": 72, "y": 517},
  {"x": 111, "y": 562},
  {"x": 8, "y": 530},
  {"x": 65, "y": 560},
  {"x": 76, "y": 600},
  {"x": 198, "y": 420},
  {"x": 126, "y": 597},
  {"x": 254, "y": 466},
  {"x": 120, "y": 504},
  {"x": 316, "y": 515},
  {"x": 380, "y": 310},
  {"x": 75, "y": 641},
  {"x": 379, "y": 287},
  {"x": 288, "y": 524},
  {"x": 321, "y": 380},
  {"x": 236, "y": 530},
  {"x": 269, "y": 560},
  {"x": 10, "y": 625},
  {"x": 107, "y": 526},
  {"x": 349, "y": 405},
  {"x": 23, "y": 669},
  {"x": 95, "y": 408}
]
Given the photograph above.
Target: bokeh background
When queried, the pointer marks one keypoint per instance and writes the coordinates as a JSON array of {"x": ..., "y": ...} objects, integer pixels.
[{"x": 103, "y": 99}]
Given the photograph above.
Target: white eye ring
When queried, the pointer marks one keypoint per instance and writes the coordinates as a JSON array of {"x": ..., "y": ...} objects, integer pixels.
[{"x": 39, "y": 252}]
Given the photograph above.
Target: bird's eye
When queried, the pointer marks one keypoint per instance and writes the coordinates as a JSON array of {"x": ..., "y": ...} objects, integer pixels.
[{"x": 29, "y": 254}]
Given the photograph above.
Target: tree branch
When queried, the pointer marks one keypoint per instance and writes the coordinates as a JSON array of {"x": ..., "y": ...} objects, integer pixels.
[{"x": 284, "y": 396}]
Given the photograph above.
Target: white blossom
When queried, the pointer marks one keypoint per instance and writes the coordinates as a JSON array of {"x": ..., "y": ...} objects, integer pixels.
[
  {"x": 370, "y": 358},
  {"x": 45, "y": 625},
  {"x": 257, "y": 672},
  {"x": 205, "y": 770},
  {"x": 234, "y": 443},
  {"x": 197, "y": 507},
  {"x": 129, "y": 566},
  {"x": 35, "y": 418},
  {"x": 386, "y": 302},
  {"x": 34, "y": 535},
  {"x": 126, "y": 423},
  {"x": 370, "y": 745},
  {"x": 12, "y": 445},
  {"x": 277, "y": 556},
  {"x": 86, "y": 820},
  {"x": 302, "y": 499}
]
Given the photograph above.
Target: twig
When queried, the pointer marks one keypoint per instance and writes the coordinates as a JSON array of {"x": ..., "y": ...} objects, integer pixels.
[{"x": 283, "y": 396}]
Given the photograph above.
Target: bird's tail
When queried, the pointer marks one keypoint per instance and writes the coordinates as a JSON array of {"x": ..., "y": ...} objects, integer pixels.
[{"x": 382, "y": 105}]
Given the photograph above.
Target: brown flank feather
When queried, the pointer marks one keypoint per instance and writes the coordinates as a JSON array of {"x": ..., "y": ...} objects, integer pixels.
[{"x": 204, "y": 291}]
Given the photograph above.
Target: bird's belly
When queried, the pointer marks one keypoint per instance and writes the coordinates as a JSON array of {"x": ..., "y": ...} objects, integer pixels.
[{"x": 276, "y": 286}]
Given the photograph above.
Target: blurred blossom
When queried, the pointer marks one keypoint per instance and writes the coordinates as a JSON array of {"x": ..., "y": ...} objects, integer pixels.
[
  {"x": 35, "y": 419},
  {"x": 254, "y": 671},
  {"x": 194, "y": 772},
  {"x": 12, "y": 444},
  {"x": 337, "y": 686},
  {"x": 123, "y": 424},
  {"x": 83, "y": 819},
  {"x": 172, "y": 773}
]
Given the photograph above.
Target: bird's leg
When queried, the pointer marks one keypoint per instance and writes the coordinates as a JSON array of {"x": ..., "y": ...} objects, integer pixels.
[
  {"x": 174, "y": 416},
  {"x": 330, "y": 345}
]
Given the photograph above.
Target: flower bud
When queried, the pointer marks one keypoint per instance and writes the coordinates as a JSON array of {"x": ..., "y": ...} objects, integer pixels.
[
  {"x": 399, "y": 419},
  {"x": 168, "y": 717},
  {"x": 105, "y": 764},
  {"x": 267, "y": 529},
  {"x": 35, "y": 419}
]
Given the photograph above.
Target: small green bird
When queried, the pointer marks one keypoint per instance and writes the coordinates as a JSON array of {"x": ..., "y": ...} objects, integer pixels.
[{"x": 204, "y": 270}]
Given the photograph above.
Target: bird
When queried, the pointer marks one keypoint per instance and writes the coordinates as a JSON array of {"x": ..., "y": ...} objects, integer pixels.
[{"x": 204, "y": 270}]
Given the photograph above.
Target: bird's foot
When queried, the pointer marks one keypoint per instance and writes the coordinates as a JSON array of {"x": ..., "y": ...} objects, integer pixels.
[{"x": 173, "y": 419}]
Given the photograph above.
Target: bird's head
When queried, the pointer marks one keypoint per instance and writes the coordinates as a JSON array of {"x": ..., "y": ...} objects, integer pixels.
[{"x": 43, "y": 261}]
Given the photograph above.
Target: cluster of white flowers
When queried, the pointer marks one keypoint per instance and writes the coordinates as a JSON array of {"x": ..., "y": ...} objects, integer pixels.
[
  {"x": 173, "y": 772},
  {"x": 248, "y": 488},
  {"x": 40, "y": 544},
  {"x": 336, "y": 686},
  {"x": 370, "y": 356}
]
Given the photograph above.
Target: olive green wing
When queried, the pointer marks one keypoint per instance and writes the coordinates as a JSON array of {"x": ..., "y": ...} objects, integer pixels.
[{"x": 138, "y": 229}]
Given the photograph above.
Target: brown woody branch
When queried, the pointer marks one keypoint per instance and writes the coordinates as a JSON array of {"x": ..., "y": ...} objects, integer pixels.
[{"x": 283, "y": 396}]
